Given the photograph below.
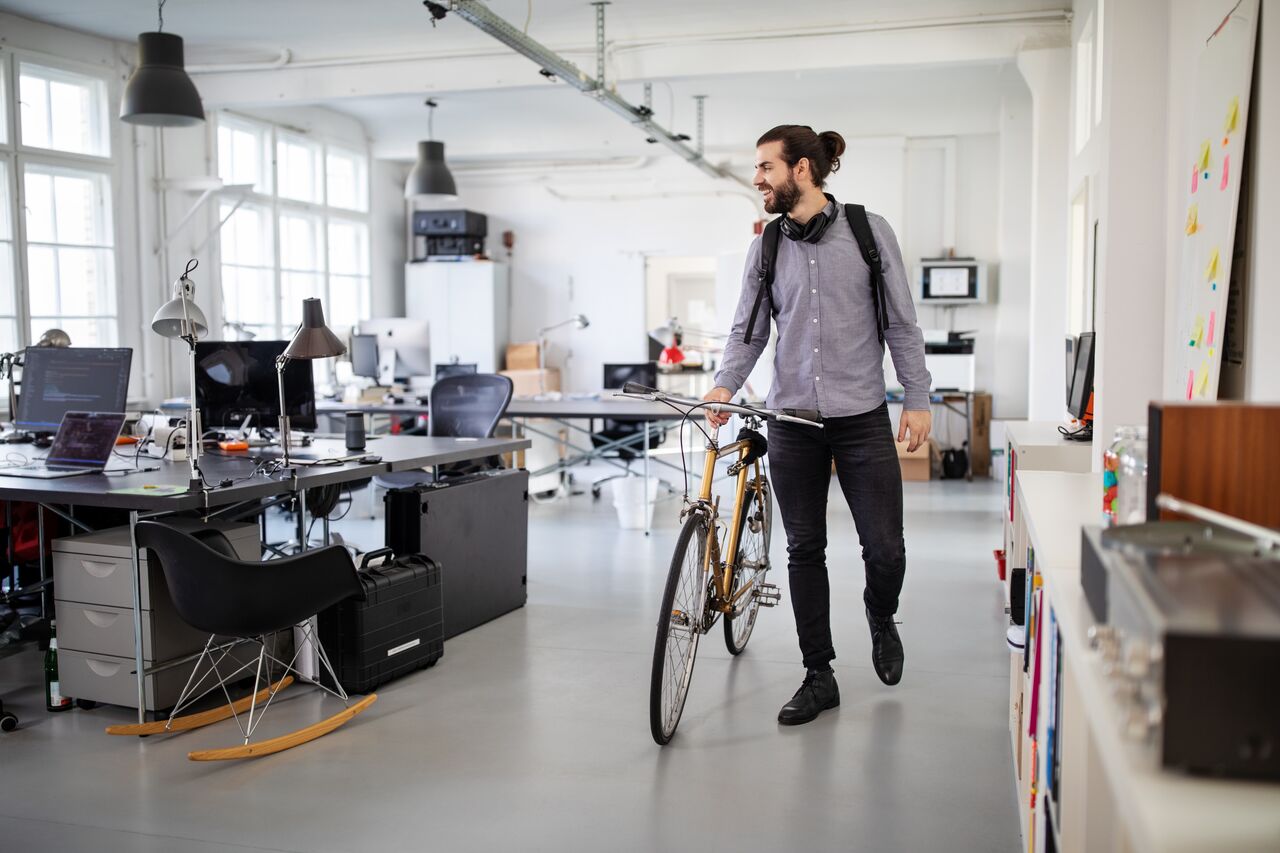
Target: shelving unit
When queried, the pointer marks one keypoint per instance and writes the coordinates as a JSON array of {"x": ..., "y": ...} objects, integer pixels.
[{"x": 1111, "y": 794}]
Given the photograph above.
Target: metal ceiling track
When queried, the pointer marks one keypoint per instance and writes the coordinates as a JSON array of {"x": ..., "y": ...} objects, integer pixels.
[{"x": 552, "y": 64}]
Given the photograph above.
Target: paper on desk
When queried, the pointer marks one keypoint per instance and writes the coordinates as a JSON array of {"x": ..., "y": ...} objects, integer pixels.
[{"x": 154, "y": 491}]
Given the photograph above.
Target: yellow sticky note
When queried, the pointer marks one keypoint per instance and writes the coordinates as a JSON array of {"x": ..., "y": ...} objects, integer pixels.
[
  {"x": 1233, "y": 116},
  {"x": 1197, "y": 332},
  {"x": 1210, "y": 352},
  {"x": 1202, "y": 379},
  {"x": 1205, "y": 152},
  {"x": 1211, "y": 271},
  {"x": 1193, "y": 219}
]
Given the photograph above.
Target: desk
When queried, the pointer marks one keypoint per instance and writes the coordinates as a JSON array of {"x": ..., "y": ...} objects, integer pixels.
[
  {"x": 948, "y": 401},
  {"x": 398, "y": 453}
]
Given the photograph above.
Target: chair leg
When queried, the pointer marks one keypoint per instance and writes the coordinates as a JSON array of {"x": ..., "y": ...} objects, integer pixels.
[{"x": 257, "y": 677}]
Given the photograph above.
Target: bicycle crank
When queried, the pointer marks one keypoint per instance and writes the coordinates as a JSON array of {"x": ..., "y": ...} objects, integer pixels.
[{"x": 767, "y": 594}]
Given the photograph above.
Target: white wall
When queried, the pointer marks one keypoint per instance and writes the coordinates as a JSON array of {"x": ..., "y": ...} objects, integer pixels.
[{"x": 1014, "y": 305}]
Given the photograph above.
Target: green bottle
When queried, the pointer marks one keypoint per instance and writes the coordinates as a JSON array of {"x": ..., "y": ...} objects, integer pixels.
[{"x": 53, "y": 698}]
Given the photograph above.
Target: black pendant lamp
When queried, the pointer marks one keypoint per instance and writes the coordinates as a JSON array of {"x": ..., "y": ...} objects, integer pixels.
[
  {"x": 159, "y": 92},
  {"x": 430, "y": 176}
]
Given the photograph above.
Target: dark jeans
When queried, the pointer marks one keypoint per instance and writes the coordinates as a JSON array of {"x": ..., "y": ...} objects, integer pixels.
[{"x": 867, "y": 467}]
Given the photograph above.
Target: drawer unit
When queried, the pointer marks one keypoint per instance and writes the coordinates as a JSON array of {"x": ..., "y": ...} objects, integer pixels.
[{"x": 93, "y": 589}]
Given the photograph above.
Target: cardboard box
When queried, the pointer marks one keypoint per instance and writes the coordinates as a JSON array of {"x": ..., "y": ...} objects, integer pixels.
[
  {"x": 529, "y": 383},
  {"x": 915, "y": 466},
  {"x": 522, "y": 356},
  {"x": 980, "y": 449}
]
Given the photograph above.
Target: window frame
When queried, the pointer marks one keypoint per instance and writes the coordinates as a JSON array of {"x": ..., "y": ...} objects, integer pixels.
[
  {"x": 18, "y": 156},
  {"x": 279, "y": 206}
]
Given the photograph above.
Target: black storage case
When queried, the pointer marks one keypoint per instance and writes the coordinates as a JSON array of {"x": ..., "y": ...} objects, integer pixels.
[
  {"x": 397, "y": 629},
  {"x": 477, "y": 526}
]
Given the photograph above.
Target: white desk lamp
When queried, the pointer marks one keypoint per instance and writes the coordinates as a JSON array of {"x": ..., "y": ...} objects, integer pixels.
[
  {"x": 180, "y": 318},
  {"x": 578, "y": 321}
]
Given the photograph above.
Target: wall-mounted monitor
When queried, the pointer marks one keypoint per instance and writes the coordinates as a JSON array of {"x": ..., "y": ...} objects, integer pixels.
[{"x": 951, "y": 281}]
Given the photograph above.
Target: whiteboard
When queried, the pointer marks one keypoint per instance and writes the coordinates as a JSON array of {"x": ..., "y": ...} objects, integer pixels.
[{"x": 1214, "y": 155}]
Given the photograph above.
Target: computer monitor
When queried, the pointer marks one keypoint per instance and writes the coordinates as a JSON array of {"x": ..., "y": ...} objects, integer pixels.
[
  {"x": 364, "y": 356},
  {"x": 1070, "y": 362},
  {"x": 644, "y": 372},
  {"x": 57, "y": 380},
  {"x": 443, "y": 371},
  {"x": 1082, "y": 380},
  {"x": 411, "y": 340},
  {"x": 235, "y": 379}
]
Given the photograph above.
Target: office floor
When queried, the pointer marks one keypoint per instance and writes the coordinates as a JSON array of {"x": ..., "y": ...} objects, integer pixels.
[{"x": 532, "y": 732}]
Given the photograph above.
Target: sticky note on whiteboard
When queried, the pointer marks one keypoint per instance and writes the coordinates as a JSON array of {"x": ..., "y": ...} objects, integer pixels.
[
  {"x": 1211, "y": 269},
  {"x": 1205, "y": 152},
  {"x": 1193, "y": 219},
  {"x": 1202, "y": 379},
  {"x": 1233, "y": 116}
]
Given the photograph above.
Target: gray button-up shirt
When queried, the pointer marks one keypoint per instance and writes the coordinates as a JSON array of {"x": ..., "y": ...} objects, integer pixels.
[{"x": 828, "y": 357}]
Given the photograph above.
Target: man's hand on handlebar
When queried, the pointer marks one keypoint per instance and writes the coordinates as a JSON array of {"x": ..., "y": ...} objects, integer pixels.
[{"x": 718, "y": 395}]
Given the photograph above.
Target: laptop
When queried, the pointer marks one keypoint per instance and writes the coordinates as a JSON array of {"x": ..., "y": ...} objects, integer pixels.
[{"x": 82, "y": 445}]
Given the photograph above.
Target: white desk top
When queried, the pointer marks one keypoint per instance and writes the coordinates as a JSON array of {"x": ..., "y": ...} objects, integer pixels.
[
  {"x": 1039, "y": 433},
  {"x": 1164, "y": 811}
]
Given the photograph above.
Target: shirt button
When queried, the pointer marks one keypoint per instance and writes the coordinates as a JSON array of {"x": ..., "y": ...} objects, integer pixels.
[
  {"x": 815, "y": 319},
  {"x": 815, "y": 349},
  {"x": 813, "y": 290},
  {"x": 812, "y": 262},
  {"x": 817, "y": 379}
]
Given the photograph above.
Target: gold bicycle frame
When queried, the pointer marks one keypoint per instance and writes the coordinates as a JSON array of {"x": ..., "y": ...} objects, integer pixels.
[{"x": 723, "y": 571}]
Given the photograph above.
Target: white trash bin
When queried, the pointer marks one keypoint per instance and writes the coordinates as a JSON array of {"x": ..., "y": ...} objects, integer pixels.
[{"x": 629, "y": 499}]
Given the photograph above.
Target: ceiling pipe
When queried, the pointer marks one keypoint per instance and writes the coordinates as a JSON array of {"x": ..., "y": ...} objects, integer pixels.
[{"x": 476, "y": 13}]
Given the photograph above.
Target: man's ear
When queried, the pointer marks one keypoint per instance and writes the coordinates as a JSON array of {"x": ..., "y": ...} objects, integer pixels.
[{"x": 804, "y": 168}]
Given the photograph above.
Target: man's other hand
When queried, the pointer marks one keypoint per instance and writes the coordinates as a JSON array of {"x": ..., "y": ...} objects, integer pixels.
[
  {"x": 915, "y": 425},
  {"x": 718, "y": 395}
]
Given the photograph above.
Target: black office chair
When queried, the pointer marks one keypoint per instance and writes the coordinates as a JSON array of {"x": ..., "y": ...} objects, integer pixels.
[
  {"x": 467, "y": 406},
  {"x": 214, "y": 591},
  {"x": 622, "y": 434}
]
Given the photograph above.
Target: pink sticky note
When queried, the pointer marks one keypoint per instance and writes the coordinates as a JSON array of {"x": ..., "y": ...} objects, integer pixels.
[
  {"x": 1191, "y": 382},
  {"x": 1213, "y": 316},
  {"x": 1195, "y": 179},
  {"x": 1226, "y": 166}
]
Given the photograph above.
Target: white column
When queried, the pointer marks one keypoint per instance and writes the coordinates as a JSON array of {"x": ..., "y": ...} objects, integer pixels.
[{"x": 1047, "y": 74}]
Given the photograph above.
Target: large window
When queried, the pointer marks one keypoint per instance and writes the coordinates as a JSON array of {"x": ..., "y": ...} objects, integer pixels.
[
  {"x": 303, "y": 232},
  {"x": 57, "y": 238}
]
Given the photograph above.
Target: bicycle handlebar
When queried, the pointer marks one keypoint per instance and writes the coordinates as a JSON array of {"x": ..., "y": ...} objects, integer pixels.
[{"x": 635, "y": 389}]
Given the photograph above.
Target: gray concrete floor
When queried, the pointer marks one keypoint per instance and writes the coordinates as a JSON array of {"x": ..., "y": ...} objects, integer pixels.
[{"x": 532, "y": 732}]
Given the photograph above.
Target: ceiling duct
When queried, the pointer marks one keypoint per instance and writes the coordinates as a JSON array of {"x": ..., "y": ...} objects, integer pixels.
[{"x": 552, "y": 64}]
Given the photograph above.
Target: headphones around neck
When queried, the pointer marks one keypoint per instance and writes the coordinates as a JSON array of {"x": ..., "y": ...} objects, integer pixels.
[{"x": 811, "y": 231}]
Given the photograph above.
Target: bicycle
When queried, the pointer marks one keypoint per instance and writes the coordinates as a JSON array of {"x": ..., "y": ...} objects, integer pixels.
[{"x": 708, "y": 577}]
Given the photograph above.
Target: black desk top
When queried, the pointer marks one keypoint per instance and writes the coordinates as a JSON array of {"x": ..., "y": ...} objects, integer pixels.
[{"x": 399, "y": 453}]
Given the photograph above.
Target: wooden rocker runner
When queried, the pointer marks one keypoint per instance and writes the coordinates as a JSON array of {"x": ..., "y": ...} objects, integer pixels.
[{"x": 249, "y": 601}]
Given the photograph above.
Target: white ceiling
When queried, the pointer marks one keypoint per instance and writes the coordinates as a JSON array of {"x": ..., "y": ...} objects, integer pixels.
[{"x": 223, "y": 30}]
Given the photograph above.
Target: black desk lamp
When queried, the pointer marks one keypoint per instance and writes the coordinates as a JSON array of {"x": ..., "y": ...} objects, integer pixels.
[{"x": 312, "y": 340}]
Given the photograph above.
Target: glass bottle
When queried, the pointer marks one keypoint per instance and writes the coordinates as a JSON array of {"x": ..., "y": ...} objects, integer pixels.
[
  {"x": 1111, "y": 472},
  {"x": 53, "y": 698},
  {"x": 1131, "y": 496}
]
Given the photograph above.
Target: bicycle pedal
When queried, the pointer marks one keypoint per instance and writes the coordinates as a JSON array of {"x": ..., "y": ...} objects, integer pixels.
[
  {"x": 679, "y": 617},
  {"x": 767, "y": 594}
]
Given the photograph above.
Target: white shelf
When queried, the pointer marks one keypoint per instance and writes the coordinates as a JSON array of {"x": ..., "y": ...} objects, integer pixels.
[{"x": 1159, "y": 811}]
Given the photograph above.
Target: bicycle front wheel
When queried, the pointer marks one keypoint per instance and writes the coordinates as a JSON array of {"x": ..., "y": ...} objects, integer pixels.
[
  {"x": 679, "y": 627},
  {"x": 755, "y": 522}
]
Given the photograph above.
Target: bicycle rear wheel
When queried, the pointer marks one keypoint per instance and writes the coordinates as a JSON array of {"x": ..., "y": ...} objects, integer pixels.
[
  {"x": 679, "y": 627},
  {"x": 754, "y": 527}
]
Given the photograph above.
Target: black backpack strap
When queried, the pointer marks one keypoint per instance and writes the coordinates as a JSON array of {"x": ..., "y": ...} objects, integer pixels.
[
  {"x": 768, "y": 260},
  {"x": 857, "y": 216}
]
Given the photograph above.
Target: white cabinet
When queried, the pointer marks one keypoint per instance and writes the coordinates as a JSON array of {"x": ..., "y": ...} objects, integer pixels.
[{"x": 467, "y": 305}]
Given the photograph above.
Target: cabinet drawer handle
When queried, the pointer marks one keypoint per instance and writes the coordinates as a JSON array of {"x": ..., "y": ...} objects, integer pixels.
[
  {"x": 102, "y": 668},
  {"x": 99, "y": 570},
  {"x": 101, "y": 618}
]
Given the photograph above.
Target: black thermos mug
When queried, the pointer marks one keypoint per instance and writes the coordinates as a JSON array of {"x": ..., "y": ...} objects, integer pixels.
[{"x": 355, "y": 430}]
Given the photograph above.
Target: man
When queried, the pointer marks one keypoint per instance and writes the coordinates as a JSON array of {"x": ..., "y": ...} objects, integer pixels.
[{"x": 829, "y": 366}]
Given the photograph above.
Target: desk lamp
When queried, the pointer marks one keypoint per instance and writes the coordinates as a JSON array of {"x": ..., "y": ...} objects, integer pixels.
[
  {"x": 671, "y": 336},
  {"x": 182, "y": 319},
  {"x": 579, "y": 321},
  {"x": 312, "y": 340},
  {"x": 11, "y": 361}
]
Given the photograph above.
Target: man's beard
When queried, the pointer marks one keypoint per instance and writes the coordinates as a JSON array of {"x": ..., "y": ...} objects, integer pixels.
[{"x": 784, "y": 197}]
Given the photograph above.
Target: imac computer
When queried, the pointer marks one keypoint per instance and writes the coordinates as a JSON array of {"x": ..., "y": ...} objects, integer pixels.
[
  {"x": 237, "y": 379},
  {"x": 57, "y": 380},
  {"x": 410, "y": 340}
]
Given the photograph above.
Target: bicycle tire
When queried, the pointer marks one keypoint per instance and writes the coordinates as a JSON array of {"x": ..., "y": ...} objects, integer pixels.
[
  {"x": 737, "y": 629},
  {"x": 685, "y": 593}
]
